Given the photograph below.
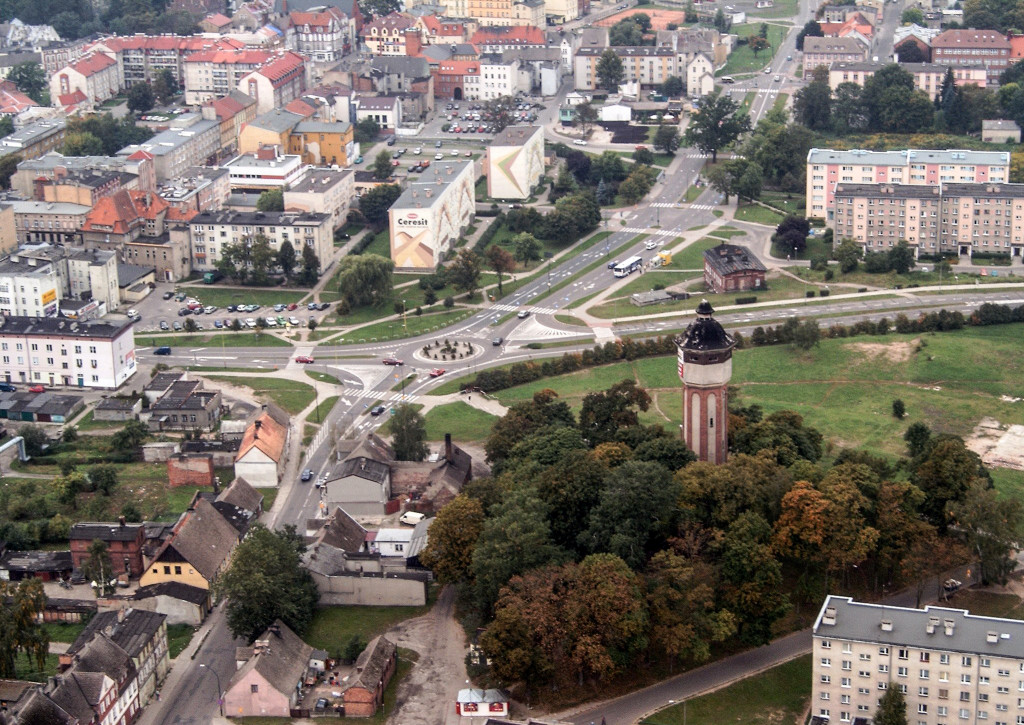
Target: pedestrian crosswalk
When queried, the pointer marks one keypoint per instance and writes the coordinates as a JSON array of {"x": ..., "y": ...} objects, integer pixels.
[
  {"x": 668, "y": 205},
  {"x": 514, "y": 308},
  {"x": 390, "y": 397},
  {"x": 648, "y": 230},
  {"x": 703, "y": 207}
]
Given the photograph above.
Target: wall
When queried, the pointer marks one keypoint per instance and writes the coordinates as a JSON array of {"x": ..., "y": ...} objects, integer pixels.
[
  {"x": 256, "y": 468},
  {"x": 177, "y": 611},
  {"x": 158, "y": 452},
  {"x": 155, "y": 574},
  {"x": 241, "y": 701},
  {"x": 190, "y": 469},
  {"x": 353, "y": 589}
]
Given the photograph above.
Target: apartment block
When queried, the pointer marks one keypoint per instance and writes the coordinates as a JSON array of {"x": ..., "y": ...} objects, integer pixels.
[
  {"x": 141, "y": 58},
  {"x": 827, "y": 167},
  {"x": 950, "y": 665},
  {"x": 30, "y": 286},
  {"x": 826, "y": 51},
  {"x": 210, "y": 74},
  {"x": 646, "y": 65},
  {"x": 42, "y": 221},
  {"x": 928, "y": 77},
  {"x": 211, "y": 231},
  {"x": 190, "y": 141},
  {"x": 948, "y": 218},
  {"x": 276, "y": 82},
  {"x": 988, "y": 49},
  {"x": 323, "y": 191},
  {"x": 34, "y": 140}
]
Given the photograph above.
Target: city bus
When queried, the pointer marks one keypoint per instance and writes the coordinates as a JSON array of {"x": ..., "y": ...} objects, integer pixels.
[{"x": 624, "y": 269}]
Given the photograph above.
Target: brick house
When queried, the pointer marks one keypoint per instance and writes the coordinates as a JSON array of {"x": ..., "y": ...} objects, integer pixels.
[
  {"x": 374, "y": 669},
  {"x": 731, "y": 268},
  {"x": 124, "y": 544}
]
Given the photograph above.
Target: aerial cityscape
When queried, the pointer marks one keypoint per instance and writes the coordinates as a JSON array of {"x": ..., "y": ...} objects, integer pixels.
[{"x": 512, "y": 362}]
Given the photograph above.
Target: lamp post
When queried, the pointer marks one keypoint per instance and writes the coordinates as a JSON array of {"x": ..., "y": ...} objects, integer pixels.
[{"x": 220, "y": 699}]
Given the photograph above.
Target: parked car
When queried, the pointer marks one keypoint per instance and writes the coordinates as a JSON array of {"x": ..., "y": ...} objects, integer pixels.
[
  {"x": 292, "y": 306},
  {"x": 325, "y": 305},
  {"x": 218, "y": 324},
  {"x": 37, "y": 389},
  {"x": 164, "y": 325},
  {"x": 279, "y": 306},
  {"x": 178, "y": 326},
  {"x": 7, "y": 388},
  {"x": 294, "y": 321},
  {"x": 165, "y": 350},
  {"x": 392, "y": 141},
  {"x": 580, "y": 142},
  {"x": 411, "y": 518},
  {"x": 168, "y": 295},
  {"x": 359, "y": 159}
]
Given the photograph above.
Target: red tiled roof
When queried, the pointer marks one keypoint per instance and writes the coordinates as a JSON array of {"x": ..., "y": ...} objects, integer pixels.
[
  {"x": 281, "y": 66},
  {"x": 69, "y": 100},
  {"x": 270, "y": 439},
  {"x": 141, "y": 155},
  {"x": 217, "y": 20},
  {"x": 509, "y": 35},
  {"x": 392, "y": 22},
  {"x": 320, "y": 19},
  {"x": 458, "y": 67},
  {"x": 1017, "y": 46},
  {"x": 970, "y": 39},
  {"x": 92, "y": 64},
  {"x": 13, "y": 101},
  {"x": 123, "y": 210},
  {"x": 300, "y": 107},
  {"x": 174, "y": 214}
]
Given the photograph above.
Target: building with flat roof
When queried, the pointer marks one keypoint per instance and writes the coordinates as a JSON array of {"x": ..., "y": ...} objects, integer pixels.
[
  {"x": 211, "y": 231},
  {"x": 828, "y": 167},
  {"x": 950, "y": 665},
  {"x": 514, "y": 162},
  {"x": 47, "y": 221},
  {"x": 92, "y": 274},
  {"x": 54, "y": 351},
  {"x": 190, "y": 141},
  {"x": 961, "y": 48},
  {"x": 1000, "y": 131},
  {"x": 431, "y": 214},
  {"x": 928, "y": 77},
  {"x": 29, "y": 286},
  {"x": 55, "y": 165},
  {"x": 267, "y": 168},
  {"x": 324, "y": 191},
  {"x": 35, "y": 139},
  {"x": 826, "y": 51}
]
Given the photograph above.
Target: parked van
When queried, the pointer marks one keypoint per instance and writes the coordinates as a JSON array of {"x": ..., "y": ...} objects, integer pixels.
[{"x": 411, "y": 518}]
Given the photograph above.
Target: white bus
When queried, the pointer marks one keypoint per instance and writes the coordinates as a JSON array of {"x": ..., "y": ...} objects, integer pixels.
[{"x": 624, "y": 269}]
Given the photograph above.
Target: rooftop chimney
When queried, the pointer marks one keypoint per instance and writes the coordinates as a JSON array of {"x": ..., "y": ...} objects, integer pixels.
[
  {"x": 121, "y": 521},
  {"x": 256, "y": 429},
  {"x": 448, "y": 454}
]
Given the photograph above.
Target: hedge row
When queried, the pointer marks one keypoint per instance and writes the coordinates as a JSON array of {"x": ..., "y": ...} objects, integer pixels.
[{"x": 628, "y": 348}]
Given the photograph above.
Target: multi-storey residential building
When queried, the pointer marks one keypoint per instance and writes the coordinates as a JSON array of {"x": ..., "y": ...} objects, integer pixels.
[
  {"x": 323, "y": 34},
  {"x": 988, "y": 49},
  {"x": 826, "y": 51},
  {"x": 276, "y": 82},
  {"x": 323, "y": 191},
  {"x": 495, "y": 39},
  {"x": 266, "y": 169},
  {"x": 323, "y": 143},
  {"x": 44, "y": 221},
  {"x": 54, "y": 166},
  {"x": 562, "y": 11},
  {"x": 211, "y": 231},
  {"x": 142, "y": 57},
  {"x": 233, "y": 112},
  {"x": 928, "y": 77},
  {"x": 386, "y": 110},
  {"x": 211, "y": 74},
  {"x": 191, "y": 140},
  {"x": 514, "y": 162},
  {"x": 947, "y": 218},
  {"x": 88, "y": 81},
  {"x": 83, "y": 187},
  {"x": 386, "y": 35},
  {"x": 431, "y": 214},
  {"x": 878, "y": 216},
  {"x": 122, "y": 217},
  {"x": 170, "y": 253},
  {"x": 826, "y": 168},
  {"x": 497, "y": 77},
  {"x": 442, "y": 30},
  {"x": 53, "y": 351},
  {"x": 30, "y": 286},
  {"x": 92, "y": 274},
  {"x": 35, "y": 139},
  {"x": 647, "y": 65},
  {"x": 124, "y": 544},
  {"x": 199, "y": 189},
  {"x": 57, "y": 55},
  {"x": 950, "y": 665}
]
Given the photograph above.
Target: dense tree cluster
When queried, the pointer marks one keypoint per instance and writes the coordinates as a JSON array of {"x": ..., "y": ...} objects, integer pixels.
[
  {"x": 599, "y": 544},
  {"x": 102, "y": 135},
  {"x": 78, "y": 18}
]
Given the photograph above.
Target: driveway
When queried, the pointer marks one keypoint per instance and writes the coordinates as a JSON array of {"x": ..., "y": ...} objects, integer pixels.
[{"x": 427, "y": 695}]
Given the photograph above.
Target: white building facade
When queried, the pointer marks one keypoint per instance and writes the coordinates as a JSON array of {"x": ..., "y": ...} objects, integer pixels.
[{"x": 431, "y": 214}]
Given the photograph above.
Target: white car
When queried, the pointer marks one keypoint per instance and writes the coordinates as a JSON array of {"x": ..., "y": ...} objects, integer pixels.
[
  {"x": 250, "y": 323},
  {"x": 271, "y": 322},
  {"x": 438, "y": 156},
  {"x": 411, "y": 518},
  {"x": 650, "y": 244},
  {"x": 455, "y": 152},
  {"x": 133, "y": 314},
  {"x": 580, "y": 142},
  {"x": 293, "y": 321},
  {"x": 418, "y": 150}
]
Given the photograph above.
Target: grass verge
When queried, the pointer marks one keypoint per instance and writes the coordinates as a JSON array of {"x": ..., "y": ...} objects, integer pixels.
[
  {"x": 289, "y": 395},
  {"x": 178, "y": 637}
]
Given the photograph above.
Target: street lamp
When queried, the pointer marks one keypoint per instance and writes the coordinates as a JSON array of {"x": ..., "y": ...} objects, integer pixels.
[{"x": 220, "y": 699}]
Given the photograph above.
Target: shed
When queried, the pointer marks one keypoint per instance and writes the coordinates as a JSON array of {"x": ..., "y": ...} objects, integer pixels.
[
  {"x": 1000, "y": 131},
  {"x": 732, "y": 268},
  {"x": 117, "y": 409},
  {"x": 616, "y": 112}
]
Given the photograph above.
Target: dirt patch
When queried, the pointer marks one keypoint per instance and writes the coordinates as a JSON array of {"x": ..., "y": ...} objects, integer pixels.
[
  {"x": 896, "y": 352},
  {"x": 660, "y": 19},
  {"x": 998, "y": 445}
]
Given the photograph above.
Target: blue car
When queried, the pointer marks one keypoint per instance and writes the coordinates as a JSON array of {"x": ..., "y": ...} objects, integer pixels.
[{"x": 218, "y": 324}]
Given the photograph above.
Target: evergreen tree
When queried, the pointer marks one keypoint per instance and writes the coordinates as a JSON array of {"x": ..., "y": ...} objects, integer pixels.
[{"x": 892, "y": 708}]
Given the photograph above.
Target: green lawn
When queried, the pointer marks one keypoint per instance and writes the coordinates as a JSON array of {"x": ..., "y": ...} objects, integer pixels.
[
  {"x": 412, "y": 326},
  {"x": 224, "y": 296},
  {"x": 780, "y": 101},
  {"x": 381, "y": 244},
  {"x": 646, "y": 281},
  {"x": 319, "y": 413},
  {"x": 289, "y": 395},
  {"x": 63, "y": 631},
  {"x": 742, "y": 59},
  {"x": 323, "y": 377},
  {"x": 816, "y": 247},
  {"x": 463, "y": 421},
  {"x": 206, "y": 340},
  {"x": 891, "y": 279},
  {"x": 26, "y": 670},
  {"x": 333, "y": 627},
  {"x": 692, "y": 192},
  {"x": 987, "y": 604},
  {"x": 778, "y": 695},
  {"x": 693, "y": 256},
  {"x": 845, "y": 387},
  {"x": 789, "y": 203},
  {"x": 781, "y": 9},
  {"x": 758, "y": 214},
  {"x": 178, "y": 637}
]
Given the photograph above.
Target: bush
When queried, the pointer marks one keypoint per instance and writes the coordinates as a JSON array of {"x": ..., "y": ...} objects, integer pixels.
[
  {"x": 809, "y": 293},
  {"x": 819, "y": 263},
  {"x": 823, "y": 293},
  {"x": 745, "y": 300},
  {"x": 898, "y": 409},
  {"x": 829, "y": 274},
  {"x": 449, "y": 301}
]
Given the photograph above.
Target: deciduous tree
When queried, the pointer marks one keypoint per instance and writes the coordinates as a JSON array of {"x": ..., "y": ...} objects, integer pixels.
[
  {"x": 374, "y": 204},
  {"x": 464, "y": 271},
  {"x": 365, "y": 279},
  {"x": 453, "y": 537},
  {"x": 610, "y": 71},
  {"x": 141, "y": 97},
  {"x": 715, "y": 125},
  {"x": 266, "y": 581},
  {"x": 892, "y": 707},
  {"x": 502, "y": 262},
  {"x": 604, "y": 412},
  {"x": 271, "y": 200},
  {"x": 382, "y": 166},
  {"x": 21, "y": 628},
  {"x": 527, "y": 248},
  {"x": 991, "y": 526},
  {"x": 285, "y": 258},
  {"x": 408, "y": 434}
]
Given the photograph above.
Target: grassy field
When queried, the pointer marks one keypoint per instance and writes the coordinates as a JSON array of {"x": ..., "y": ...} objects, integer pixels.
[
  {"x": 693, "y": 256},
  {"x": 845, "y": 388},
  {"x": 789, "y": 203},
  {"x": 646, "y": 281},
  {"x": 319, "y": 414},
  {"x": 289, "y": 395},
  {"x": 891, "y": 279},
  {"x": 224, "y": 296},
  {"x": 414, "y": 325},
  {"x": 816, "y": 247},
  {"x": 333, "y": 627},
  {"x": 987, "y": 604},
  {"x": 25, "y": 670},
  {"x": 463, "y": 421},
  {"x": 206, "y": 340},
  {"x": 781, "y": 9},
  {"x": 758, "y": 214},
  {"x": 778, "y": 695},
  {"x": 742, "y": 59},
  {"x": 323, "y": 377},
  {"x": 63, "y": 631},
  {"x": 178, "y": 637},
  {"x": 692, "y": 192},
  {"x": 780, "y": 101}
]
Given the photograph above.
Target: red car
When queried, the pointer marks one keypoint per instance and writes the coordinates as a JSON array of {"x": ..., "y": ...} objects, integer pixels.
[
  {"x": 304, "y": 359},
  {"x": 437, "y": 372},
  {"x": 392, "y": 361},
  {"x": 37, "y": 389},
  {"x": 293, "y": 306}
]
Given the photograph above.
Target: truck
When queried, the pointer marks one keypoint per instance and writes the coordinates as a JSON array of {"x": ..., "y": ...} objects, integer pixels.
[{"x": 211, "y": 277}]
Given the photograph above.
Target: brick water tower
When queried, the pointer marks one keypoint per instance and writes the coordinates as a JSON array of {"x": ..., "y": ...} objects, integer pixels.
[{"x": 705, "y": 366}]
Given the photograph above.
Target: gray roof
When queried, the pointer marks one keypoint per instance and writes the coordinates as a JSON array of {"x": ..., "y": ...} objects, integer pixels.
[
  {"x": 241, "y": 494},
  {"x": 342, "y": 532},
  {"x": 972, "y": 634},
  {"x": 105, "y": 531},
  {"x": 438, "y": 171},
  {"x": 321, "y": 127},
  {"x": 401, "y": 65},
  {"x": 1002, "y": 191},
  {"x": 887, "y": 191},
  {"x": 57, "y": 327},
  {"x": 372, "y": 663},
  {"x": 131, "y": 629},
  {"x": 120, "y": 404},
  {"x": 365, "y": 468},
  {"x": 47, "y": 403},
  {"x": 162, "y": 381},
  {"x": 319, "y": 180},
  {"x": 999, "y": 125},
  {"x": 909, "y": 156},
  {"x": 175, "y": 590},
  {"x": 33, "y": 561},
  {"x": 833, "y": 45},
  {"x": 277, "y": 120},
  {"x": 262, "y": 218},
  {"x": 205, "y": 540},
  {"x": 514, "y": 135},
  {"x": 282, "y": 659},
  {"x": 50, "y": 207}
]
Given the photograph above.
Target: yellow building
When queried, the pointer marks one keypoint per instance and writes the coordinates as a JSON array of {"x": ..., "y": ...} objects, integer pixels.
[
  {"x": 318, "y": 142},
  {"x": 197, "y": 551}
]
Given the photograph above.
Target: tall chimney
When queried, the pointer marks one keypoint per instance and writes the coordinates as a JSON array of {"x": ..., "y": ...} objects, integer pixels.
[
  {"x": 448, "y": 455},
  {"x": 121, "y": 521}
]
